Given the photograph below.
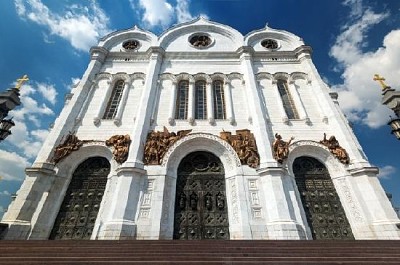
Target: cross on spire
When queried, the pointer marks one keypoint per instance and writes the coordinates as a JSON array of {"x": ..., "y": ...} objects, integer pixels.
[
  {"x": 21, "y": 81},
  {"x": 381, "y": 81}
]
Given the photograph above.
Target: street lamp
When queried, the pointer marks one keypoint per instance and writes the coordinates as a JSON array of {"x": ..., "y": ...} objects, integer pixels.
[
  {"x": 5, "y": 126},
  {"x": 8, "y": 101},
  {"x": 391, "y": 98},
  {"x": 395, "y": 125}
]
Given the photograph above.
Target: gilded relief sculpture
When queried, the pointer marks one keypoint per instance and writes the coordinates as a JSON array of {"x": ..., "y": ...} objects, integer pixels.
[
  {"x": 70, "y": 144},
  {"x": 334, "y": 147},
  {"x": 280, "y": 148},
  {"x": 157, "y": 144},
  {"x": 121, "y": 147},
  {"x": 245, "y": 146}
]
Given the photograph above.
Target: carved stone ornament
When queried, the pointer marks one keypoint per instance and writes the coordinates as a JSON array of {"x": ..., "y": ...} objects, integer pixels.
[
  {"x": 334, "y": 147},
  {"x": 70, "y": 144},
  {"x": 244, "y": 145},
  {"x": 280, "y": 148},
  {"x": 121, "y": 147},
  {"x": 157, "y": 145}
]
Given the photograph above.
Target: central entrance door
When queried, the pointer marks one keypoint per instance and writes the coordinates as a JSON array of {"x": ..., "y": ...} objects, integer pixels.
[{"x": 200, "y": 205}]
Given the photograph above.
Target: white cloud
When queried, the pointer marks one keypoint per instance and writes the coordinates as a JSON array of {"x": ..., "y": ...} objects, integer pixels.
[
  {"x": 157, "y": 12},
  {"x": 182, "y": 11},
  {"x": 80, "y": 25},
  {"x": 5, "y": 193},
  {"x": 162, "y": 13},
  {"x": 48, "y": 92},
  {"x": 12, "y": 166},
  {"x": 30, "y": 114},
  {"x": 386, "y": 172},
  {"x": 359, "y": 95}
]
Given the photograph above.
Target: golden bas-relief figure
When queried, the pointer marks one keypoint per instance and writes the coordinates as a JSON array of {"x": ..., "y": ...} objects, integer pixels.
[
  {"x": 70, "y": 144},
  {"x": 121, "y": 147},
  {"x": 280, "y": 148},
  {"x": 244, "y": 145},
  {"x": 334, "y": 147},
  {"x": 157, "y": 144}
]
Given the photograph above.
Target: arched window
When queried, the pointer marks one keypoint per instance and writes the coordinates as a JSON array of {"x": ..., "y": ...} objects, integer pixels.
[
  {"x": 182, "y": 100},
  {"x": 115, "y": 98},
  {"x": 287, "y": 100},
  {"x": 200, "y": 111},
  {"x": 219, "y": 100}
]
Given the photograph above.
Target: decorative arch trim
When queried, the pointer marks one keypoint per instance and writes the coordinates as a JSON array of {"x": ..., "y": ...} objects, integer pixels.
[{"x": 197, "y": 142}]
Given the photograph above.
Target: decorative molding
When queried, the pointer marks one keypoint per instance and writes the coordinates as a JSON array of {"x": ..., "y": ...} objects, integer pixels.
[
  {"x": 158, "y": 143},
  {"x": 234, "y": 200},
  {"x": 184, "y": 76},
  {"x": 219, "y": 76},
  {"x": 168, "y": 76},
  {"x": 202, "y": 77},
  {"x": 121, "y": 145},
  {"x": 299, "y": 75},
  {"x": 255, "y": 199},
  {"x": 230, "y": 151},
  {"x": 121, "y": 76},
  {"x": 264, "y": 75},
  {"x": 144, "y": 212},
  {"x": 345, "y": 190},
  {"x": 66, "y": 147},
  {"x": 334, "y": 147},
  {"x": 281, "y": 76},
  {"x": 233, "y": 76},
  {"x": 244, "y": 144}
]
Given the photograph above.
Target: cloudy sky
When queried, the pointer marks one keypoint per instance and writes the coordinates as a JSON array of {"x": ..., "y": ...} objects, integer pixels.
[{"x": 49, "y": 40}]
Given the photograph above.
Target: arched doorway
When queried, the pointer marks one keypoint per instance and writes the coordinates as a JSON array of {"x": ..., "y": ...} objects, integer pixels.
[
  {"x": 324, "y": 211},
  {"x": 201, "y": 210},
  {"x": 81, "y": 203}
]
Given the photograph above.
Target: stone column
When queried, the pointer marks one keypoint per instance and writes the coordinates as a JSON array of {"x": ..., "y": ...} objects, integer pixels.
[
  {"x": 283, "y": 218},
  {"x": 23, "y": 213},
  {"x": 191, "y": 103},
  {"x": 255, "y": 108},
  {"x": 229, "y": 103},
  {"x": 210, "y": 103},
  {"x": 131, "y": 176},
  {"x": 172, "y": 103}
]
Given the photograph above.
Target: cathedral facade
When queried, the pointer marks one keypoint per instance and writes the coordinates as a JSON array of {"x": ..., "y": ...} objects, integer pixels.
[{"x": 201, "y": 133}]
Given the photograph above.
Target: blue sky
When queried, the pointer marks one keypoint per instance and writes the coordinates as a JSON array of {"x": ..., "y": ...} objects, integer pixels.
[{"x": 49, "y": 40}]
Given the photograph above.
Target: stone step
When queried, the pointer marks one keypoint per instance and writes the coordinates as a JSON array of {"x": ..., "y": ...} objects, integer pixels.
[{"x": 200, "y": 252}]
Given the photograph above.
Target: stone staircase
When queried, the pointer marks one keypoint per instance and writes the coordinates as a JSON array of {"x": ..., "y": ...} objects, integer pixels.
[{"x": 199, "y": 252}]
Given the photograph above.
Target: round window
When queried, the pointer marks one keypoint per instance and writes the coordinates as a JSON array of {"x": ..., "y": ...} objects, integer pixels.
[
  {"x": 200, "y": 41},
  {"x": 269, "y": 44},
  {"x": 130, "y": 45}
]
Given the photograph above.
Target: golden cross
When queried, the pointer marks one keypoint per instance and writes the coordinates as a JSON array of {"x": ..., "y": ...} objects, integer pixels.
[
  {"x": 21, "y": 81},
  {"x": 380, "y": 80}
]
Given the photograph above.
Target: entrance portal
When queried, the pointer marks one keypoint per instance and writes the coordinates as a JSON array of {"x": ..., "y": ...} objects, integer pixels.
[
  {"x": 81, "y": 204},
  {"x": 200, "y": 205},
  {"x": 324, "y": 211}
]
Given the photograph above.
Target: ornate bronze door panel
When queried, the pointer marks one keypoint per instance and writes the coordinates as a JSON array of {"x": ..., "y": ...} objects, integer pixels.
[
  {"x": 324, "y": 211},
  {"x": 79, "y": 209},
  {"x": 200, "y": 204}
]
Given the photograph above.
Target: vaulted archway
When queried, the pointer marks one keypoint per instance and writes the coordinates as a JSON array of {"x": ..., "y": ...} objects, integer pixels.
[
  {"x": 324, "y": 211},
  {"x": 79, "y": 209},
  {"x": 200, "y": 204}
]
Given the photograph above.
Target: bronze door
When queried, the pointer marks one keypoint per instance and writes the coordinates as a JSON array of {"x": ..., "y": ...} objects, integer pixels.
[
  {"x": 80, "y": 207},
  {"x": 200, "y": 204},
  {"x": 324, "y": 211}
]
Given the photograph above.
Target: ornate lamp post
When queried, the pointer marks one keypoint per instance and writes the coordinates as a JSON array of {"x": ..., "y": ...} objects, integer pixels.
[
  {"x": 8, "y": 101},
  {"x": 391, "y": 98}
]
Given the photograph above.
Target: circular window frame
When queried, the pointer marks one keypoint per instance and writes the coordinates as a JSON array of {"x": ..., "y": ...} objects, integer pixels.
[
  {"x": 278, "y": 44},
  {"x": 212, "y": 40},
  {"x": 133, "y": 49}
]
